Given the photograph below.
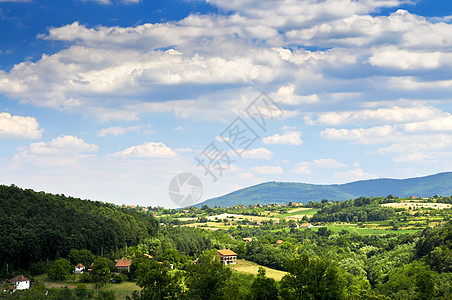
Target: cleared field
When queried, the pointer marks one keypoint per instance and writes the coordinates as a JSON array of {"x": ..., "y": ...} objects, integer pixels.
[
  {"x": 415, "y": 205},
  {"x": 298, "y": 213},
  {"x": 252, "y": 268}
]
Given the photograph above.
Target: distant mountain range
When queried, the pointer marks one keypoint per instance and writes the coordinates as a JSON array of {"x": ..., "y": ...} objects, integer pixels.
[{"x": 284, "y": 192}]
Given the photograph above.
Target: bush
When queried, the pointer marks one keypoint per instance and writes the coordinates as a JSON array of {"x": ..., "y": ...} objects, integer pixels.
[{"x": 118, "y": 278}]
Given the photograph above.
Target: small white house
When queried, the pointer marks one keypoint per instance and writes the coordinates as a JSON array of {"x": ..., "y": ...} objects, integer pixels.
[
  {"x": 21, "y": 282},
  {"x": 79, "y": 269}
]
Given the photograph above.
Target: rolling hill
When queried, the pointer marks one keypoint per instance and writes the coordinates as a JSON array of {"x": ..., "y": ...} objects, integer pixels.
[{"x": 284, "y": 192}]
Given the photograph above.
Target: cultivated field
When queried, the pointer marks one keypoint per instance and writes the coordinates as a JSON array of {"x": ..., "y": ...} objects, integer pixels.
[{"x": 252, "y": 268}]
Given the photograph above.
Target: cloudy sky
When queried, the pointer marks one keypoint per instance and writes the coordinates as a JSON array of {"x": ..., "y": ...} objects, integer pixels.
[{"x": 110, "y": 99}]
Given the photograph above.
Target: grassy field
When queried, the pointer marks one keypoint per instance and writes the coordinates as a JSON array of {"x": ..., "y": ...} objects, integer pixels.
[
  {"x": 252, "y": 268},
  {"x": 366, "y": 231},
  {"x": 298, "y": 212},
  {"x": 74, "y": 281}
]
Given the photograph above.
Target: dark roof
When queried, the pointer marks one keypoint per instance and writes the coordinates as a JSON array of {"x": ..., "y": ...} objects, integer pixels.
[{"x": 19, "y": 278}]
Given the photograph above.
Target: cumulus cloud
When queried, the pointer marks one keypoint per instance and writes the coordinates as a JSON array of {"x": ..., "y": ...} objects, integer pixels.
[
  {"x": 371, "y": 135},
  {"x": 394, "y": 114},
  {"x": 147, "y": 150},
  {"x": 287, "y": 138},
  {"x": 256, "y": 153},
  {"x": 18, "y": 126},
  {"x": 328, "y": 163},
  {"x": 354, "y": 174},
  {"x": 67, "y": 144},
  {"x": 268, "y": 170},
  {"x": 117, "y": 130}
]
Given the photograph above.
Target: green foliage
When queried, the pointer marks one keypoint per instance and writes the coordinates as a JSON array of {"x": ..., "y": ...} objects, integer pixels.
[
  {"x": 59, "y": 269},
  {"x": 435, "y": 245},
  {"x": 157, "y": 281},
  {"x": 263, "y": 288},
  {"x": 206, "y": 279},
  {"x": 36, "y": 226},
  {"x": 312, "y": 278},
  {"x": 100, "y": 274},
  {"x": 84, "y": 257}
]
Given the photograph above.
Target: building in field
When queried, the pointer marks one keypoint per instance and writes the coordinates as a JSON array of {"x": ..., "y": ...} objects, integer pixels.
[
  {"x": 20, "y": 282},
  {"x": 227, "y": 257},
  {"x": 79, "y": 269},
  {"x": 123, "y": 264}
]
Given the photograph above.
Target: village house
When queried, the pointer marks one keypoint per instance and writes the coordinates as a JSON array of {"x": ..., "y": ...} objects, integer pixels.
[
  {"x": 21, "y": 283},
  {"x": 279, "y": 242},
  {"x": 79, "y": 269},
  {"x": 248, "y": 239},
  {"x": 227, "y": 257},
  {"x": 306, "y": 225},
  {"x": 123, "y": 264}
]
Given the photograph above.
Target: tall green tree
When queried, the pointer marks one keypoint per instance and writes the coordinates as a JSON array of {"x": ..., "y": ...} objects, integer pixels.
[
  {"x": 312, "y": 278},
  {"x": 264, "y": 288},
  {"x": 59, "y": 269},
  {"x": 157, "y": 282},
  {"x": 207, "y": 279},
  {"x": 100, "y": 273}
]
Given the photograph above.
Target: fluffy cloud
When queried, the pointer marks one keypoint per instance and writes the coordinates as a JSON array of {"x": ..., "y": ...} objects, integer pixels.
[
  {"x": 394, "y": 114},
  {"x": 354, "y": 174},
  {"x": 287, "y": 138},
  {"x": 17, "y": 126},
  {"x": 328, "y": 163},
  {"x": 117, "y": 130},
  {"x": 371, "y": 135},
  {"x": 147, "y": 150},
  {"x": 62, "y": 145},
  {"x": 256, "y": 153},
  {"x": 268, "y": 170}
]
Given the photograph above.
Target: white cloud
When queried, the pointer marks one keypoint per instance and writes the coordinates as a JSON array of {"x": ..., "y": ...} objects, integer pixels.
[
  {"x": 268, "y": 170},
  {"x": 327, "y": 163},
  {"x": 147, "y": 150},
  {"x": 256, "y": 153},
  {"x": 306, "y": 166},
  {"x": 354, "y": 174},
  {"x": 287, "y": 138},
  {"x": 117, "y": 130},
  {"x": 409, "y": 60},
  {"x": 394, "y": 114},
  {"x": 17, "y": 126},
  {"x": 62, "y": 145},
  {"x": 371, "y": 135},
  {"x": 439, "y": 124},
  {"x": 302, "y": 168}
]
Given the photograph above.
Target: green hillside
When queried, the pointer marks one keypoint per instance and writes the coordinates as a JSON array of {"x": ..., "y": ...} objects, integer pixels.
[
  {"x": 284, "y": 192},
  {"x": 37, "y": 226}
]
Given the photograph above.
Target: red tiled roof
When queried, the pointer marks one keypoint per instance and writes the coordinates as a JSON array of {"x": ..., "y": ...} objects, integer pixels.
[
  {"x": 19, "y": 278},
  {"x": 226, "y": 252},
  {"x": 79, "y": 266},
  {"x": 123, "y": 263}
]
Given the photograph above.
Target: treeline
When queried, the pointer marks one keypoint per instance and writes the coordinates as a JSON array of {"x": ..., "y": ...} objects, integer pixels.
[
  {"x": 36, "y": 227},
  {"x": 361, "y": 209}
]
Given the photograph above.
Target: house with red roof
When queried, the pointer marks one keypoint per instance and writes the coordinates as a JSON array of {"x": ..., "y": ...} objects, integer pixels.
[
  {"x": 79, "y": 269},
  {"x": 123, "y": 264},
  {"x": 20, "y": 282},
  {"x": 227, "y": 257}
]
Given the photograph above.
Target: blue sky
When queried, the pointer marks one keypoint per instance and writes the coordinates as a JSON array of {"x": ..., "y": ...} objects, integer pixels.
[{"x": 109, "y": 100}]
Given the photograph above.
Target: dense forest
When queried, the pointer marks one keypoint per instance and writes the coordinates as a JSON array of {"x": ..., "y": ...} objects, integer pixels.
[
  {"x": 46, "y": 235},
  {"x": 37, "y": 227}
]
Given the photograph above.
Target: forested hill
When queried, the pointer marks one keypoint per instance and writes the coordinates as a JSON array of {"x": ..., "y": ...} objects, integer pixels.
[
  {"x": 36, "y": 226},
  {"x": 284, "y": 192}
]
